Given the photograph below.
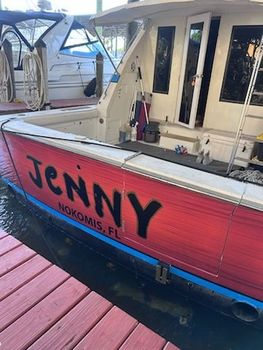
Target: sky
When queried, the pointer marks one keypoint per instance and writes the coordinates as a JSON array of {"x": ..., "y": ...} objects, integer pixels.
[{"x": 72, "y": 6}]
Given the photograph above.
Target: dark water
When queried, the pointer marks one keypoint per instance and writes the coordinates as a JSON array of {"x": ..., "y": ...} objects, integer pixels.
[{"x": 186, "y": 324}]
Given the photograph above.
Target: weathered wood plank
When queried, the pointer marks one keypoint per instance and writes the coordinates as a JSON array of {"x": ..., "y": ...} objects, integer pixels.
[
  {"x": 68, "y": 331},
  {"x": 27, "y": 296},
  {"x": 110, "y": 332},
  {"x": 29, "y": 327},
  {"x": 14, "y": 258},
  {"x": 3, "y": 233},
  {"x": 42, "y": 307},
  {"x": 144, "y": 339},
  {"x": 22, "y": 275},
  {"x": 8, "y": 243},
  {"x": 170, "y": 346}
]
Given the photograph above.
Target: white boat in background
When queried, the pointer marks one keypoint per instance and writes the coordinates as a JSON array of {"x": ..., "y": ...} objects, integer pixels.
[{"x": 71, "y": 50}]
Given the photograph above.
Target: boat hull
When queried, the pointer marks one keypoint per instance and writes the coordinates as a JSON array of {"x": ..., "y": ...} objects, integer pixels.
[{"x": 210, "y": 248}]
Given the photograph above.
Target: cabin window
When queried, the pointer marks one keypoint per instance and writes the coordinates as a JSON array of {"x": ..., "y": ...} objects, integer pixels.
[
  {"x": 244, "y": 45},
  {"x": 163, "y": 59}
]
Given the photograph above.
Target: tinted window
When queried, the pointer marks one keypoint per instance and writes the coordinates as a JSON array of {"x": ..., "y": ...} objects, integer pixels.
[
  {"x": 163, "y": 59},
  {"x": 244, "y": 45}
]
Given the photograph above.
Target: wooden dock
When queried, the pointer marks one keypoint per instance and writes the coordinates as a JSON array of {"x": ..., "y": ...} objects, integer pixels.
[
  {"x": 20, "y": 107},
  {"x": 43, "y": 307}
]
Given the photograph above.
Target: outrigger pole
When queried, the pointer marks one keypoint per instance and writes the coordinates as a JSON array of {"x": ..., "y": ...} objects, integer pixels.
[{"x": 142, "y": 90}]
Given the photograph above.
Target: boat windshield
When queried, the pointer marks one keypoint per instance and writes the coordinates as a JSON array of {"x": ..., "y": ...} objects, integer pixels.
[
  {"x": 23, "y": 36},
  {"x": 81, "y": 43},
  {"x": 33, "y": 29}
]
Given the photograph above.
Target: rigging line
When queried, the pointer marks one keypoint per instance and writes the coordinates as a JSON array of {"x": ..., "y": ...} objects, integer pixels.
[
  {"x": 98, "y": 144},
  {"x": 10, "y": 155},
  {"x": 59, "y": 138},
  {"x": 83, "y": 87}
]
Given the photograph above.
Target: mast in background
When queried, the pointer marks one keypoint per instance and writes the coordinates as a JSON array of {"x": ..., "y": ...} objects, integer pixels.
[
  {"x": 132, "y": 27},
  {"x": 99, "y": 6}
]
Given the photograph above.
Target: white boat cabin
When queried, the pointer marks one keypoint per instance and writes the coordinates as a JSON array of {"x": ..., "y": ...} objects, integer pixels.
[{"x": 196, "y": 59}]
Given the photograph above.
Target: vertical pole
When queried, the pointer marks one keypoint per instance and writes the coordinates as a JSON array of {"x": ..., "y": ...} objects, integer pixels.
[
  {"x": 116, "y": 42},
  {"x": 132, "y": 28},
  {"x": 99, "y": 74},
  {"x": 99, "y": 6},
  {"x": 7, "y": 46},
  {"x": 42, "y": 53},
  {"x": 99, "y": 10}
]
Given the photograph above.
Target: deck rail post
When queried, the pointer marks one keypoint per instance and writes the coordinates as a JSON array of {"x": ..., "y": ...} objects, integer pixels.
[
  {"x": 42, "y": 53},
  {"x": 7, "y": 46},
  {"x": 99, "y": 74}
]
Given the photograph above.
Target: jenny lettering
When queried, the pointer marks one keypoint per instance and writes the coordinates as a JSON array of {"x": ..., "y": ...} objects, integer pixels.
[{"x": 78, "y": 187}]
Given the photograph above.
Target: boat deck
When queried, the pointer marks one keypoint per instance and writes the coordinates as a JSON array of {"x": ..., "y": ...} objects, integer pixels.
[
  {"x": 20, "y": 107},
  {"x": 215, "y": 167},
  {"x": 43, "y": 307}
]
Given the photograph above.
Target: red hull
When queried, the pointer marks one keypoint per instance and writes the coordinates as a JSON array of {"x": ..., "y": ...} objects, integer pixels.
[{"x": 211, "y": 238}]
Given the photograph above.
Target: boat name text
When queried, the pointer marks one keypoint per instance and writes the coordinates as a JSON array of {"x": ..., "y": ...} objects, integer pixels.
[{"x": 73, "y": 187}]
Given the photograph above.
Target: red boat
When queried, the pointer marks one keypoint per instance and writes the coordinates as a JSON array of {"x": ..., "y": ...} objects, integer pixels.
[{"x": 181, "y": 218}]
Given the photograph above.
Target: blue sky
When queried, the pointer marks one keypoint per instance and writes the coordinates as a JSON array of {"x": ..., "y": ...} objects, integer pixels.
[{"x": 73, "y": 6}]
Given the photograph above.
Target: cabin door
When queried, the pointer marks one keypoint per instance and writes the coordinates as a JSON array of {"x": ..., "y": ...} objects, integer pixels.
[{"x": 197, "y": 32}]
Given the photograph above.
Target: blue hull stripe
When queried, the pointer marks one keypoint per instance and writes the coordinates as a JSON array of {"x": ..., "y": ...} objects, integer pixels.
[{"x": 141, "y": 256}]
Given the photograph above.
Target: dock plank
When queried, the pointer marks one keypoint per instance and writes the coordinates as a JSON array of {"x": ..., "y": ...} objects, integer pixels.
[
  {"x": 3, "y": 233},
  {"x": 110, "y": 332},
  {"x": 29, "y": 327},
  {"x": 68, "y": 331},
  {"x": 8, "y": 243},
  {"x": 170, "y": 346},
  {"x": 27, "y": 296},
  {"x": 144, "y": 339},
  {"x": 14, "y": 258},
  {"x": 43, "y": 307},
  {"x": 21, "y": 275},
  {"x": 20, "y": 107}
]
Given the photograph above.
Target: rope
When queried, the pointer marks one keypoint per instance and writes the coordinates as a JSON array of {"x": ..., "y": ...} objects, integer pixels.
[
  {"x": 6, "y": 83},
  {"x": 249, "y": 175},
  {"x": 80, "y": 75},
  {"x": 34, "y": 89}
]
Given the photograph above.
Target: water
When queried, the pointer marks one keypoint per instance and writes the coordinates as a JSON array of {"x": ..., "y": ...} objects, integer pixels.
[{"x": 186, "y": 324}]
